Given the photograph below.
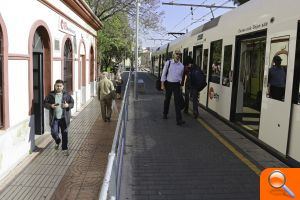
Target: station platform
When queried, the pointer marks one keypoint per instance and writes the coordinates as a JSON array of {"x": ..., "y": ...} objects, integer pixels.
[
  {"x": 204, "y": 159},
  {"x": 48, "y": 174}
]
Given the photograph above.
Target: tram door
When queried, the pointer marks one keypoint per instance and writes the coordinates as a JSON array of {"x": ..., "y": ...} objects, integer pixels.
[
  {"x": 277, "y": 91},
  {"x": 198, "y": 55},
  {"x": 249, "y": 83}
]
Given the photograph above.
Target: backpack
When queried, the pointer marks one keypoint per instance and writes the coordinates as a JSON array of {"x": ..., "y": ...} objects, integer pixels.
[{"x": 197, "y": 78}]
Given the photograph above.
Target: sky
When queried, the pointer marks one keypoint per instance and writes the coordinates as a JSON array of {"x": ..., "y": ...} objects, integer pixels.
[{"x": 180, "y": 19}]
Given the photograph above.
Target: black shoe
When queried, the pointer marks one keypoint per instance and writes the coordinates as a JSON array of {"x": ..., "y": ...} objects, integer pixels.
[
  {"x": 165, "y": 117},
  {"x": 195, "y": 116},
  {"x": 181, "y": 122},
  {"x": 108, "y": 119},
  {"x": 105, "y": 120}
]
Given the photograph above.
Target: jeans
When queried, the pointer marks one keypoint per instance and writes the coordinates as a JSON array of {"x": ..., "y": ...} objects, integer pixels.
[{"x": 60, "y": 124}]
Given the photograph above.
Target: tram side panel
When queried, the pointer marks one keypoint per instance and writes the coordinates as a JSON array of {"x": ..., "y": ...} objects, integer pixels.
[
  {"x": 294, "y": 138},
  {"x": 275, "y": 113}
]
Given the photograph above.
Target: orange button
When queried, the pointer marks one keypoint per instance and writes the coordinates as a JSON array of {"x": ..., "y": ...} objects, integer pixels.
[{"x": 280, "y": 183}]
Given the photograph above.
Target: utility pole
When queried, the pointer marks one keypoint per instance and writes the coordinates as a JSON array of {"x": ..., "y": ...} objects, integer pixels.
[{"x": 136, "y": 48}]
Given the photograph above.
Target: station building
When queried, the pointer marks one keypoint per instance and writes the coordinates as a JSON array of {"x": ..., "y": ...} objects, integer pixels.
[{"x": 41, "y": 41}]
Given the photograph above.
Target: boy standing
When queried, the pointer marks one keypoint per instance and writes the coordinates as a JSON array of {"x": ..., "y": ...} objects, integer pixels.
[{"x": 59, "y": 103}]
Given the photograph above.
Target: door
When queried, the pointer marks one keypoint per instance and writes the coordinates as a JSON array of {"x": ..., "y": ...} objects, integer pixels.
[
  {"x": 38, "y": 92},
  {"x": 276, "y": 110},
  {"x": 197, "y": 57},
  {"x": 83, "y": 79},
  {"x": 294, "y": 138},
  {"x": 250, "y": 69},
  {"x": 185, "y": 55}
]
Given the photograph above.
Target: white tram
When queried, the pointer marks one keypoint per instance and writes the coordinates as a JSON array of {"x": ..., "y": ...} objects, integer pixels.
[{"x": 235, "y": 51}]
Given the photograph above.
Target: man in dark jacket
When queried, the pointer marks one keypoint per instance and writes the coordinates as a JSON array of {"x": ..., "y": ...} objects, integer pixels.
[{"x": 59, "y": 103}]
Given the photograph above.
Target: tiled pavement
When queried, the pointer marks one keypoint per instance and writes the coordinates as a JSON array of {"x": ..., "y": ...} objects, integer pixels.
[
  {"x": 51, "y": 175},
  {"x": 165, "y": 161}
]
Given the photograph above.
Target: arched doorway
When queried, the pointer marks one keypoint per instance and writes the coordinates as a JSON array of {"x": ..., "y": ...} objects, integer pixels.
[
  {"x": 92, "y": 71},
  {"x": 82, "y": 71},
  {"x": 68, "y": 66},
  {"x": 41, "y": 75}
]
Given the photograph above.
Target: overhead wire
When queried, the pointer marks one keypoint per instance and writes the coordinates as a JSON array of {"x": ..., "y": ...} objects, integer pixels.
[
  {"x": 203, "y": 16},
  {"x": 198, "y": 20}
]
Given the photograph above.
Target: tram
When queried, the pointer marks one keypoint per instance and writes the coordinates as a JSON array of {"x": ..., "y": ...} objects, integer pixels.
[{"x": 236, "y": 51}]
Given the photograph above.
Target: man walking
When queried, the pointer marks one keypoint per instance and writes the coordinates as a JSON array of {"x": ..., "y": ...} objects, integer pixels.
[
  {"x": 59, "y": 103},
  {"x": 106, "y": 93},
  {"x": 170, "y": 81}
]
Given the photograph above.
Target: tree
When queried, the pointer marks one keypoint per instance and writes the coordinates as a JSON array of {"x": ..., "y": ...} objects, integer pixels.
[
  {"x": 115, "y": 40},
  {"x": 240, "y": 2},
  {"x": 150, "y": 17},
  {"x": 118, "y": 17}
]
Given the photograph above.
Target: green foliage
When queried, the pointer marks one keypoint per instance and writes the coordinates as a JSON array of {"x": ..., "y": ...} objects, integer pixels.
[
  {"x": 118, "y": 17},
  {"x": 115, "y": 40}
]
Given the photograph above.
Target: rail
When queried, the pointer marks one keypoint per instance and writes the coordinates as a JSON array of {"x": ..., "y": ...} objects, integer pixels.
[{"x": 110, "y": 189}]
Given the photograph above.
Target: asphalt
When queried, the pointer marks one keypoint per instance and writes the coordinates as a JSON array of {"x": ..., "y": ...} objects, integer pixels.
[{"x": 202, "y": 160}]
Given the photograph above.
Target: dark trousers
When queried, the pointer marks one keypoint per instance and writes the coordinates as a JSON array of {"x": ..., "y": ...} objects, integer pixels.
[
  {"x": 277, "y": 92},
  {"x": 187, "y": 92},
  {"x": 105, "y": 104},
  {"x": 195, "y": 97},
  {"x": 172, "y": 88},
  {"x": 60, "y": 124}
]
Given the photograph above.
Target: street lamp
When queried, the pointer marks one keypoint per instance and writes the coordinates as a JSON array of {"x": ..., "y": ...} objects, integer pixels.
[{"x": 136, "y": 47}]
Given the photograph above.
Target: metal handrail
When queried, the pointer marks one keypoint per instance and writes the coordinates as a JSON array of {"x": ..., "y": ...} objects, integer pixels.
[{"x": 111, "y": 188}]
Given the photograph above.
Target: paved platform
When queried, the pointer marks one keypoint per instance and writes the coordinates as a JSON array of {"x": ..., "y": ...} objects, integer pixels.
[
  {"x": 202, "y": 160},
  {"x": 48, "y": 174}
]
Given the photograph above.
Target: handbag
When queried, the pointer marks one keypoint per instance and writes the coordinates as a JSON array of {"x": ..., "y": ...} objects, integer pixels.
[
  {"x": 158, "y": 84},
  {"x": 158, "y": 81}
]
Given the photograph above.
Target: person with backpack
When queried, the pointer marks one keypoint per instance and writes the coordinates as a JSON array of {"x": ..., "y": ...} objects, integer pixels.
[{"x": 196, "y": 81}]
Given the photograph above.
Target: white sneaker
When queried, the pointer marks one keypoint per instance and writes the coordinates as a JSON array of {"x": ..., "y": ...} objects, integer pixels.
[{"x": 66, "y": 152}]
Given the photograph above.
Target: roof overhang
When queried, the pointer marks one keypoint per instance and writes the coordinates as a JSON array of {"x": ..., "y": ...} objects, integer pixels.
[{"x": 81, "y": 8}]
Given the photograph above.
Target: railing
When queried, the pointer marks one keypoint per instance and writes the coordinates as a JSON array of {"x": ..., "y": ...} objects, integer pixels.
[{"x": 112, "y": 180}]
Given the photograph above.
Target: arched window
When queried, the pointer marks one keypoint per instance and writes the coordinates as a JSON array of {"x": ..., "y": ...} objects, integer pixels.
[
  {"x": 68, "y": 70},
  {"x": 1, "y": 81}
]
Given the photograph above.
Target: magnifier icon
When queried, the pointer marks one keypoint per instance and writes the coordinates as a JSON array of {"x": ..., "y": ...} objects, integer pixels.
[{"x": 277, "y": 180}]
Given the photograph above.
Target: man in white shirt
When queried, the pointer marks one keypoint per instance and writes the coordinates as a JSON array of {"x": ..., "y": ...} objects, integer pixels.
[{"x": 170, "y": 81}]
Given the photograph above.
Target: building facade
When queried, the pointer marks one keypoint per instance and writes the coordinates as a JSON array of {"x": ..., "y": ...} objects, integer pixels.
[{"x": 41, "y": 41}]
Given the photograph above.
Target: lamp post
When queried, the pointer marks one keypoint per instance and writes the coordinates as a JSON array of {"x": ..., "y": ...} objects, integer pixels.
[{"x": 136, "y": 47}]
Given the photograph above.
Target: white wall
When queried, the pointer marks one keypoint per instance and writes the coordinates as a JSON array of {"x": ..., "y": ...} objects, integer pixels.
[{"x": 17, "y": 140}]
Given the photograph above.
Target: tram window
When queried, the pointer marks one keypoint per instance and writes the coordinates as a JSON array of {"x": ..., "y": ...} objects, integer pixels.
[
  {"x": 205, "y": 61},
  {"x": 278, "y": 67},
  {"x": 215, "y": 61},
  {"x": 227, "y": 65}
]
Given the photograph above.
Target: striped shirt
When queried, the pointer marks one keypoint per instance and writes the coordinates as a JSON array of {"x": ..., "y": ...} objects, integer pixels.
[{"x": 175, "y": 72}]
